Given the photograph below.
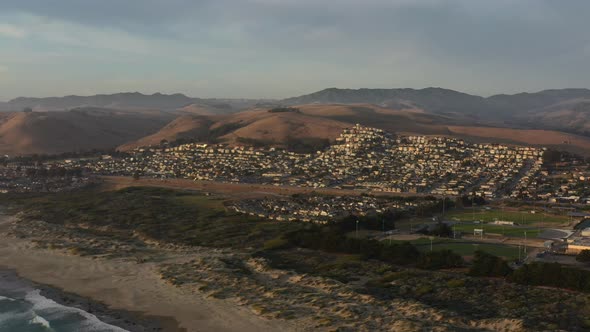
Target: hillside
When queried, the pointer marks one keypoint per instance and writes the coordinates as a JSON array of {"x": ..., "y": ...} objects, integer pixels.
[
  {"x": 311, "y": 123},
  {"x": 129, "y": 100},
  {"x": 563, "y": 110},
  {"x": 188, "y": 126},
  {"x": 76, "y": 130},
  {"x": 570, "y": 115},
  {"x": 554, "y": 118},
  {"x": 435, "y": 100}
]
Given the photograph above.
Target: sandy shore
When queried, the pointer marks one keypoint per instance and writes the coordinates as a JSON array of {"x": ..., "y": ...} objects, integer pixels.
[
  {"x": 127, "y": 320},
  {"x": 126, "y": 285}
]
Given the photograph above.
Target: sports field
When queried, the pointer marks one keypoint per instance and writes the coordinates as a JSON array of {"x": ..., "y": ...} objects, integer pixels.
[
  {"x": 505, "y": 230},
  {"x": 520, "y": 217}
]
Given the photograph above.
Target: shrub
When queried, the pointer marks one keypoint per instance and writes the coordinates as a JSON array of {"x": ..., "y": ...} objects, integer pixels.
[
  {"x": 423, "y": 290},
  {"x": 440, "y": 259},
  {"x": 456, "y": 283},
  {"x": 583, "y": 256},
  {"x": 274, "y": 244},
  {"x": 488, "y": 265}
]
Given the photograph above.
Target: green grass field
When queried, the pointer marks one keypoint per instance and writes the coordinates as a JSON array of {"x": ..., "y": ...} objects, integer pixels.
[
  {"x": 520, "y": 217},
  {"x": 506, "y": 230}
]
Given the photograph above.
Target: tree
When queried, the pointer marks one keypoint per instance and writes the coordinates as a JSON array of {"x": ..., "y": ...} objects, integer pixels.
[
  {"x": 583, "y": 256},
  {"x": 136, "y": 176},
  {"x": 488, "y": 265},
  {"x": 440, "y": 259}
]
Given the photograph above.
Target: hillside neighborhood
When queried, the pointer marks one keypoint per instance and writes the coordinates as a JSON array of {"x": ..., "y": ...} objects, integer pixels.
[{"x": 361, "y": 158}]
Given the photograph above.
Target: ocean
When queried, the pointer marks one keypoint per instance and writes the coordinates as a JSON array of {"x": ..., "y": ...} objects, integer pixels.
[{"x": 24, "y": 308}]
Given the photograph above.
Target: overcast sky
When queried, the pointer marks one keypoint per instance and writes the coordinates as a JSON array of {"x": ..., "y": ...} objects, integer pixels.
[{"x": 283, "y": 48}]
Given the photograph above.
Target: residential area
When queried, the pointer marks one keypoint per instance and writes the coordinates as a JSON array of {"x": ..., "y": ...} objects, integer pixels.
[{"x": 366, "y": 160}]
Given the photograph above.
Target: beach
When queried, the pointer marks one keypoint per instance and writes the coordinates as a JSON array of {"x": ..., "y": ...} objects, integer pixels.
[
  {"x": 128, "y": 286},
  {"x": 26, "y": 306}
]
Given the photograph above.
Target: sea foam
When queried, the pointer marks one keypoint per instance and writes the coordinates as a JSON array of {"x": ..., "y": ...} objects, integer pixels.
[{"x": 89, "y": 323}]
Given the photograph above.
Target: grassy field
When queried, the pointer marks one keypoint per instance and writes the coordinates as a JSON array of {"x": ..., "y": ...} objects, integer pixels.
[
  {"x": 465, "y": 249},
  {"x": 506, "y": 230},
  {"x": 520, "y": 217}
]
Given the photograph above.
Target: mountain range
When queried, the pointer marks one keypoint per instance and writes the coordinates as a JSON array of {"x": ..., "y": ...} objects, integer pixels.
[{"x": 554, "y": 118}]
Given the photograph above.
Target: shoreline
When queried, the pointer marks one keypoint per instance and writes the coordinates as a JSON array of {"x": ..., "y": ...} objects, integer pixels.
[
  {"x": 125, "y": 288},
  {"x": 127, "y": 320}
]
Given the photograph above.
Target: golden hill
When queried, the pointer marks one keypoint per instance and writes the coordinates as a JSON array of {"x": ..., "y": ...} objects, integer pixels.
[
  {"x": 326, "y": 121},
  {"x": 90, "y": 128},
  {"x": 185, "y": 126},
  {"x": 76, "y": 130}
]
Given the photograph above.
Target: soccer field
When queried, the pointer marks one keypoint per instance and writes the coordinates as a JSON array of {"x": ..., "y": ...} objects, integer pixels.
[
  {"x": 506, "y": 230},
  {"x": 520, "y": 217}
]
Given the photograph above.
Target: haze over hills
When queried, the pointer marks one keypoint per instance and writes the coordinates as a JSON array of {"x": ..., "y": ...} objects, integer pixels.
[
  {"x": 555, "y": 118},
  {"x": 127, "y": 100},
  {"x": 561, "y": 109}
]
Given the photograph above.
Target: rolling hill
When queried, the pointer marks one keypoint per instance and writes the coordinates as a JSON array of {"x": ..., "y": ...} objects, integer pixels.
[
  {"x": 188, "y": 126},
  {"x": 130, "y": 101},
  {"x": 554, "y": 118},
  {"x": 434, "y": 100},
  {"x": 76, "y": 130},
  {"x": 561, "y": 109},
  {"x": 261, "y": 126}
]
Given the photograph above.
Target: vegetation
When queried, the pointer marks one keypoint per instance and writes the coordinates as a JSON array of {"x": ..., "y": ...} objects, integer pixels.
[
  {"x": 164, "y": 215},
  {"x": 583, "y": 256},
  {"x": 257, "y": 143},
  {"x": 193, "y": 219},
  {"x": 465, "y": 248},
  {"x": 307, "y": 144},
  {"x": 332, "y": 238},
  {"x": 487, "y": 265},
  {"x": 554, "y": 275},
  {"x": 217, "y": 132},
  {"x": 440, "y": 259},
  {"x": 284, "y": 110}
]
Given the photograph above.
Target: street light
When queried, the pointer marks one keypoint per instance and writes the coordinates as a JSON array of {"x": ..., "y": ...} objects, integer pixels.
[{"x": 525, "y": 240}]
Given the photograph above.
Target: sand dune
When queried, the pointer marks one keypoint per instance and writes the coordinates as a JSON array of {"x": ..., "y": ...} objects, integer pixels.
[
  {"x": 130, "y": 286},
  {"x": 208, "y": 289}
]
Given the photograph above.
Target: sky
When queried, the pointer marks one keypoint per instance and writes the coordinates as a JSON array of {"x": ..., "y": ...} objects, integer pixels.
[{"x": 285, "y": 48}]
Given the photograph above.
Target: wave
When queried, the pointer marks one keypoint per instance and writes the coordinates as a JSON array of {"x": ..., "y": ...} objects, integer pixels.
[
  {"x": 51, "y": 310},
  {"x": 40, "y": 321},
  {"x": 5, "y": 298}
]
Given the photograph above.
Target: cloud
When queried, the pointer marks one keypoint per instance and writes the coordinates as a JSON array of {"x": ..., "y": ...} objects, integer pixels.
[
  {"x": 485, "y": 46},
  {"x": 11, "y": 31}
]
